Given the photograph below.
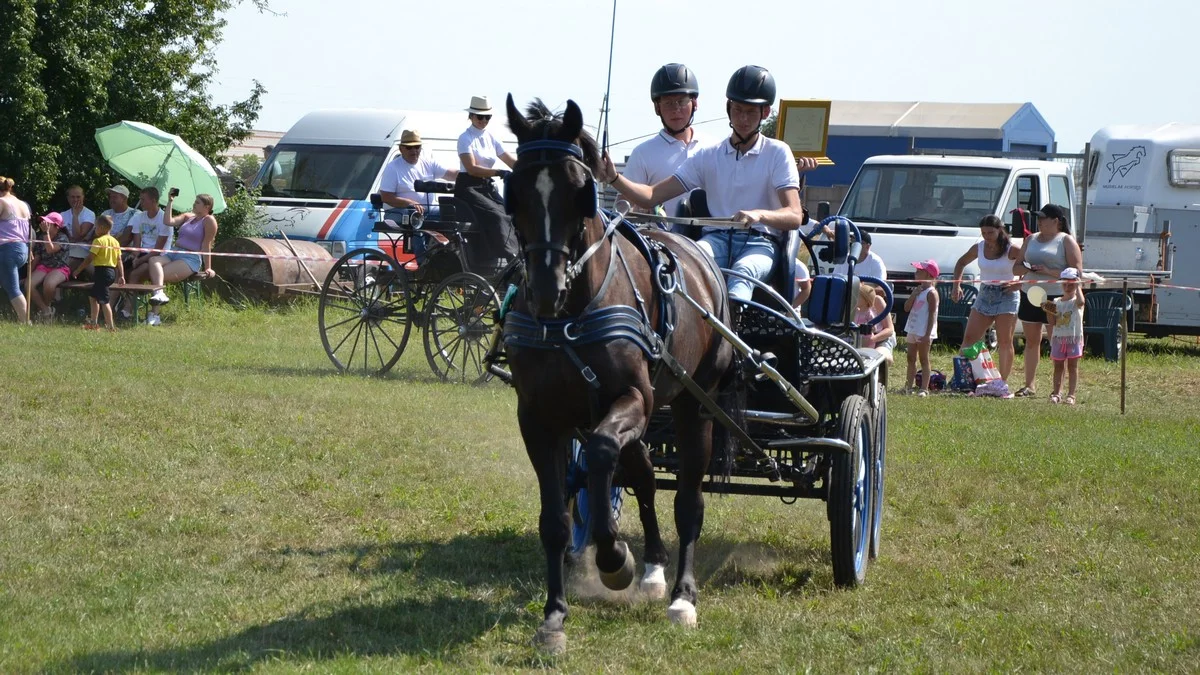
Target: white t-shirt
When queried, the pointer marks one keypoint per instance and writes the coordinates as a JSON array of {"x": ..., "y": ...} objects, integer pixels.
[
  {"x": 738, "y": 183},
  {"x": 657, "y": 159},
  {"x": 120, "y": 220},
  {"x": 871, "y": 266},
  {"x": 918, "y": 318},
  {"x": 70, "y": 221},
  {"x": 482, "y": 145},
  {"x": 1068, "y": 324},
  {"x": 147, "y": 230},
  {"x": 399, "y": 176}
]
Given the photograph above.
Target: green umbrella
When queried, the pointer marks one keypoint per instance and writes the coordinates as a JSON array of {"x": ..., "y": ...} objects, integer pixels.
[{"x": 149, "y": 156}]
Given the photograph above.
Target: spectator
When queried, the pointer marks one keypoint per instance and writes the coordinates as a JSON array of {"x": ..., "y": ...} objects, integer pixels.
[
  {"x": 14, "y": 247},
  {"x": 998, "y": 297},
  {"x": 50, "y": 266},
  {"x": 480, "y": 152},
  {"x": 120, "y": 213},
  {"x": 883, "y": 334},
  {"x": 803, "y": 283},
  {"x": 1066, "y": 345},
  {"x": 921, "y": 328},
  {"x": 79, "y": 220},
  {"x": 275, "y": 170},
  {"x": 396, "y": 187},
  {"x": 105, "y": 254},
  {"x": 191, "y": 255},
  {"x": 869, "y": 264},
  {"x": 1043, "y": 257},
  {"x": 151, "y": 232}
]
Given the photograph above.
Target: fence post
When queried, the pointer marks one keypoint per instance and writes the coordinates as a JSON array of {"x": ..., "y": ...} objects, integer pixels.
[{"x": 1124, "y": 336}]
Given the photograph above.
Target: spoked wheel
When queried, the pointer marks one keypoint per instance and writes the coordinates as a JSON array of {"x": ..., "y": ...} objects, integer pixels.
[
  {"x": 460, "y": 317},
  {"x": 580, "y": 509},
  {"x": 364, "y": 312},
  {"x": 850, "y": 492},
  {"x": 879, "y": 457}
]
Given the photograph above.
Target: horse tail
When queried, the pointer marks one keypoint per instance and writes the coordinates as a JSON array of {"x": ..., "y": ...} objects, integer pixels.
[{"x": 731, "y": 398}]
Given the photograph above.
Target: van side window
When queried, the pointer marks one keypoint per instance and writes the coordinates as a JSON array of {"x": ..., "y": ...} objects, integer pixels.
[
  {"x": 1024, "y": 195},
  {"x": 1183, "y": 168},
  {"x": 1059, "y": 191}
]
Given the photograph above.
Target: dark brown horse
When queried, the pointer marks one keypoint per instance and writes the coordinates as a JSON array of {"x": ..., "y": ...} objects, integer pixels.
[{"x": 576, "y": 367}]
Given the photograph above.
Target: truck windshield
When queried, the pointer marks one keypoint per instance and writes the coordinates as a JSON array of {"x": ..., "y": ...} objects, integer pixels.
[
  {"x": 906, "y": 193},
  {"x": 320, "y": 171}
]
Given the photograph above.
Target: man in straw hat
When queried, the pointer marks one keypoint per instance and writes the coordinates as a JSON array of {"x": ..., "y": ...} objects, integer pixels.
[
  {"x": 400, "y": 175},
  {"x": 481, "y": 154}
]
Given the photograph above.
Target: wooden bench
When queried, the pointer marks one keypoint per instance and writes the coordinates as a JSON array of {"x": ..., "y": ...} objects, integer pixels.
[{"x": 139, "y": 292}]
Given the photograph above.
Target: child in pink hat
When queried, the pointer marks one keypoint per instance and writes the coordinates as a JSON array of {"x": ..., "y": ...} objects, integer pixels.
[
  {"x": 921, "y": 328},
  {"x": 1066, "y": 343}
]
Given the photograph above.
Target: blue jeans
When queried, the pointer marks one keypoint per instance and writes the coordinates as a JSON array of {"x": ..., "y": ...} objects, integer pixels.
[
  {"x": 13, "y": 255},
  {"x": 747, "y": 252}
]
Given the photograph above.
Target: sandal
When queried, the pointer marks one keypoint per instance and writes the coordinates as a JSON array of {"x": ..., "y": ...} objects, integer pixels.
[
  {"x": 1025, "y": 392},
  {"x": 1054, "y": 398},
  {"x": 1070, "y": 400}
]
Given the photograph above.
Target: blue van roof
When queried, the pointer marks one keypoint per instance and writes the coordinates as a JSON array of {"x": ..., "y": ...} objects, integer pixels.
[{"x": 381, "y": 128}]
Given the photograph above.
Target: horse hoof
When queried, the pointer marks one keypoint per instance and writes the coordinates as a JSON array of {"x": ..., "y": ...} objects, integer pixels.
[
  {"x": 654, "y": 583},
  {"x": 620, "y": 579},
  {"x": 682, "y": 613},
  {"x": 550, "y": 642}
]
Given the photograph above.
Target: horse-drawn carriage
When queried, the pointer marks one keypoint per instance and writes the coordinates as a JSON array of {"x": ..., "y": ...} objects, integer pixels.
[
  {"x": 623, "y": 344},
  {"x": 437, "y": 275}
]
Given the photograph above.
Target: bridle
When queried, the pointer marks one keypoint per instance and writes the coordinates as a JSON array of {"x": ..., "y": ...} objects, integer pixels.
[{"x": 553, "y": 153}]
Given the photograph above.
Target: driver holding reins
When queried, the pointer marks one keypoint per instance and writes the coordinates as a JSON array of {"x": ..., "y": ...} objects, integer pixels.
[{"x": 749, "y": 178}]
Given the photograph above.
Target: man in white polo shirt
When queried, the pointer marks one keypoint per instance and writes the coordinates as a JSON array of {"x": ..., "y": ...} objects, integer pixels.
[
  {"x": 748, "y": 177},
  {"x": 675, "y": 92},
  {"x": 399, "y": 176}
]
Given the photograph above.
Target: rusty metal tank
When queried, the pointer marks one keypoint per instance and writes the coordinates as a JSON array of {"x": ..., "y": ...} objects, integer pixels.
[{"x": 270, "y": 278}]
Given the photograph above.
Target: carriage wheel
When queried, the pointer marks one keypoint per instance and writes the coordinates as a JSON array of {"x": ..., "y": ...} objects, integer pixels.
[
  {"x": 460, "y": 317},
  {"x": 879, "y": 457},
  {"x": 850, "y": 491},
  {"x": 578, "y": 506},
  {"x": 364, "y": 312}
]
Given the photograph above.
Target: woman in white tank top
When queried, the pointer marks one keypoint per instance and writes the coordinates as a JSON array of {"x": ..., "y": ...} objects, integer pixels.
[{"x": 998, "y": 296}]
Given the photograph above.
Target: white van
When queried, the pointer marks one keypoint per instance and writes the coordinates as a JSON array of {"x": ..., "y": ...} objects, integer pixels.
[
  {"x": 1143, "y": 211},
  {"x": 317, "y": 183}
]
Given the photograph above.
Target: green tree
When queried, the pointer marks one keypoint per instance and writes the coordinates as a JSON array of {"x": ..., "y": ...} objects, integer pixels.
[
  {"x": 769, "y": 125},
  {"x": 73, "y": 66}
]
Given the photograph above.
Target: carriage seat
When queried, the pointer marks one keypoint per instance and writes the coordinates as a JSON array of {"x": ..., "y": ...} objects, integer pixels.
[{"x": 787, "y": 246}]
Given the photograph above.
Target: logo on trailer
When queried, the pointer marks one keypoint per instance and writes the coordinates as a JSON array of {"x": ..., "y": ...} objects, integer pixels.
[{"x": 1123, "y": 164}]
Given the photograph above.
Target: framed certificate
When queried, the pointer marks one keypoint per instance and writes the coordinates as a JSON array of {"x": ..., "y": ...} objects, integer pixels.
[{"x": 804, "y": 126}]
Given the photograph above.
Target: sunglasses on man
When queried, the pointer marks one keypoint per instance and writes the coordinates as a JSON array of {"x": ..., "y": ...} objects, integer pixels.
[{"x": 484, "y": 117}]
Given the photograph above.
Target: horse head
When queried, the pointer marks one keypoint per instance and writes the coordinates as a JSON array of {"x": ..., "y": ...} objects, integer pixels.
[{"x": 551, "y": 196}]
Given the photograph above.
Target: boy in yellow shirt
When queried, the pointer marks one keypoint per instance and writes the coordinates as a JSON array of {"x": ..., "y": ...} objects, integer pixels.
[{"x": 105, "y": 255}]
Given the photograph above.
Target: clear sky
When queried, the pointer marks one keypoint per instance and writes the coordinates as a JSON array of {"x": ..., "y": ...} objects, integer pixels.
[{"x": 1083, "y": 63}]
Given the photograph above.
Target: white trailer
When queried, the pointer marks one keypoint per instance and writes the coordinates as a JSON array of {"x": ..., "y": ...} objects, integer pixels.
[{"x": 1143, "y": 214}]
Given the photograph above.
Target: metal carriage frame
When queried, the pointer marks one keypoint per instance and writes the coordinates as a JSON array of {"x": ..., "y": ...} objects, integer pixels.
[
  {"x": 814, "y": 421},
  {"x": 372, "y": 299}
]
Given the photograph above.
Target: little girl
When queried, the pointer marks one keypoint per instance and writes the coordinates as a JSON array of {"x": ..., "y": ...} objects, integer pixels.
[
  {"x": 883, "y": 334},
  {"x": 921, "y": 328},
  {"x": 1066, "y": 343}
]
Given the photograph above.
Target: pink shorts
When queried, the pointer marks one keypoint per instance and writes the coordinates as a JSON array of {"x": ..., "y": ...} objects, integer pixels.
[
  {"x": 65, "y": 270},
  {"x": 1064, "y": 350}
]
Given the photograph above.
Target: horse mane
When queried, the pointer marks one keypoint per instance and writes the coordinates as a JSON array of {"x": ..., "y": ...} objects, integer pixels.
[{"x": 548, "y": 124}]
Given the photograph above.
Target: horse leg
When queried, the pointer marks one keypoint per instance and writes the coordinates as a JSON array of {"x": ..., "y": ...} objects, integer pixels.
[
  {"x": 624, "y": 424},
  {"x": 693, "y": 435},
  {"x": 549, "y": 462},
  {"x": 639, "y": 473}
]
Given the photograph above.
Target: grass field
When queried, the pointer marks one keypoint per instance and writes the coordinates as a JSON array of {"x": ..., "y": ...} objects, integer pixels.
[{"x": 209, "y": 495}]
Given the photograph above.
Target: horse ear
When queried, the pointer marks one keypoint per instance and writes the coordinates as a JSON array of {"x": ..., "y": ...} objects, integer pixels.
[
  {"x": 572, "y": 122},
  {"x": 516, "y": 121}
]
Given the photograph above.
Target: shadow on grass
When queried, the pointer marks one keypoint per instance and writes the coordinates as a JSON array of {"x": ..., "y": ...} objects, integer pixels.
[
  {"x": 437, "y": 623},
  {"x": 397, "y": 374},
  {"x": 441, "y": 622}
]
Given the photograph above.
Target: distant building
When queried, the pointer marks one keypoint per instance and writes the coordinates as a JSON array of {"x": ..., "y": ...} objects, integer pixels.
[{"x": 254, "y": 145}]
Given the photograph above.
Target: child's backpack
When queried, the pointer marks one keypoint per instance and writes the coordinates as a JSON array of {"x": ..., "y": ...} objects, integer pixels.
[
  {"x": 937, "y": 381},
  {"x": 963, "y": 379}
]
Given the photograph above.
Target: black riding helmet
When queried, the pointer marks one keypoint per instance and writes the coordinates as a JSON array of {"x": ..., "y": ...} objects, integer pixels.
[
  {"x": 673, "y": 78},
  {"x": 753, "y": 85}
]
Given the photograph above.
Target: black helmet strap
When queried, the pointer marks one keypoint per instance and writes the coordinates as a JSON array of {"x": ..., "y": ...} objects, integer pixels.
[{"x": 742, "y": 143}]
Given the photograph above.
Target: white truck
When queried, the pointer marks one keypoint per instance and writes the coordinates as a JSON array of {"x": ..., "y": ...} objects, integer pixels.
[{"x": 918, "y": 207}]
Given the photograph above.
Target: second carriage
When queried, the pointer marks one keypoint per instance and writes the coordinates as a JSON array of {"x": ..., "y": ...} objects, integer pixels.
[{"x": 435, "y": 275}]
